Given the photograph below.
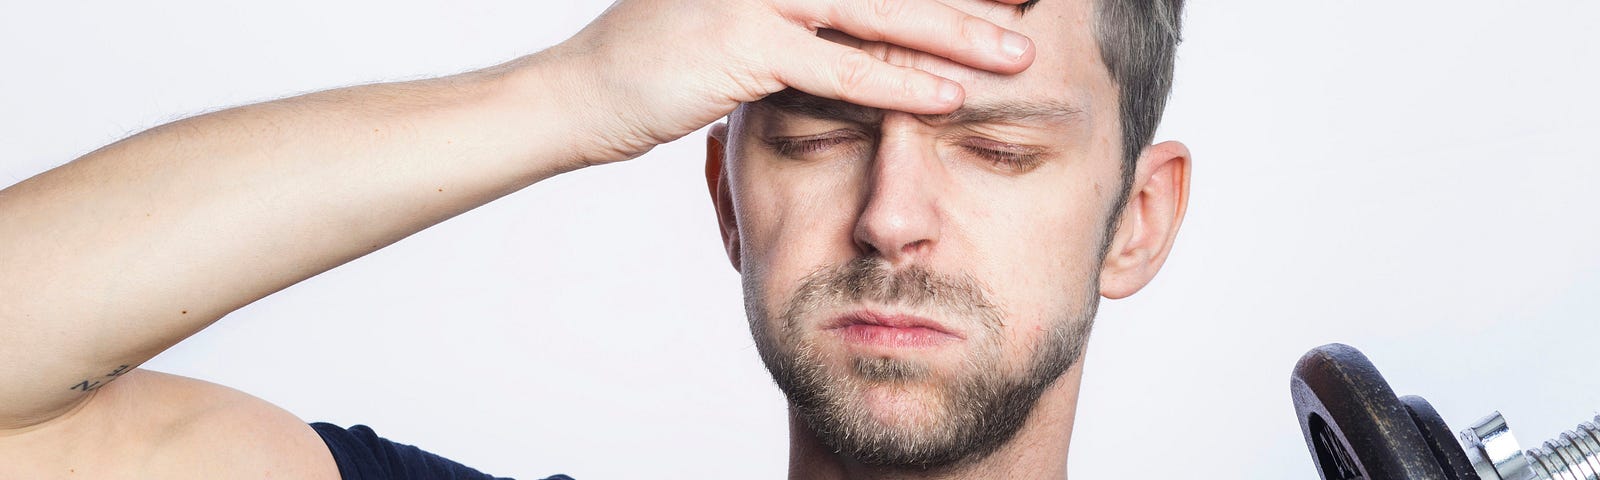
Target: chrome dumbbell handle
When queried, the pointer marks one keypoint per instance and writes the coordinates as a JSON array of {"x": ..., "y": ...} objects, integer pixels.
[
  {"x": 1496, "y": 455},
  {"x": 1357, "y": 428}
]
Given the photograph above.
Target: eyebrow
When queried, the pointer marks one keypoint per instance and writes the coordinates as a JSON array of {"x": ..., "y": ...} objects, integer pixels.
[
  {"x": 796, "y": 102},
  {"x": 1000, "y": 112},
  {"x": 1010, "y": 111}
]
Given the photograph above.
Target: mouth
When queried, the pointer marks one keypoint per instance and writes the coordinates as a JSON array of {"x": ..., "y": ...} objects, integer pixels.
[{"x": 891, "y": 330}]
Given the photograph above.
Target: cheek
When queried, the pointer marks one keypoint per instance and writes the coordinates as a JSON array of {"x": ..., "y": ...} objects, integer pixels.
[
  {"x": 1037, "y": 242},
  {"x": 792, "y": 221}
]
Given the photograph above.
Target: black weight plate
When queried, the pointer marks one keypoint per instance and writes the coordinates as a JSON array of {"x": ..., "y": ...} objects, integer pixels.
[
  {"x": 1354, "y": 425},
  {"x": 1446, "y": 450}
]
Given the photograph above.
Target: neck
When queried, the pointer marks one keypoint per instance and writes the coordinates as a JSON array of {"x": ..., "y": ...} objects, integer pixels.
[{"x": 1039, "y": 450}]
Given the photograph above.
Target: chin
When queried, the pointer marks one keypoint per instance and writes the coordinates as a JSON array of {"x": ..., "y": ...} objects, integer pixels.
[{"x": 903, "y": 407}]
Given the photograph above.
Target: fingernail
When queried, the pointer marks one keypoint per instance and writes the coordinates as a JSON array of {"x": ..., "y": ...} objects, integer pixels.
[
  {"x": 949, "y": 92},
  {"x": 1014, "y": 44}
]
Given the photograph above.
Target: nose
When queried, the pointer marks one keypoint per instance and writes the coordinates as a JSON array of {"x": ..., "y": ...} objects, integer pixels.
[{"x": 901, "y": 219}]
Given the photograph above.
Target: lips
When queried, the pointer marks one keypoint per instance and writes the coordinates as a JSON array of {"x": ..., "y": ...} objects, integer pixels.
[{"x": 891, "y": 330}]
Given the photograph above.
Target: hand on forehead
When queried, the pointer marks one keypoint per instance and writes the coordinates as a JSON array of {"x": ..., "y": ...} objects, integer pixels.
[{"x": 1066, "y": 68}]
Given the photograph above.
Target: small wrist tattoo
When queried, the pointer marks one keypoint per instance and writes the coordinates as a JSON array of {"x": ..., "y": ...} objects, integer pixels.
[{"x": 92, "y": 384}]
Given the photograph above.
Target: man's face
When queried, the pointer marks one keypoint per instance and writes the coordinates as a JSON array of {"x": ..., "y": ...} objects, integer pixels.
[{"x": 914, "y": 283}]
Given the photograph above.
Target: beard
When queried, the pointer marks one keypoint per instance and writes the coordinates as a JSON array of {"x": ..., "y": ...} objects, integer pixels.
[{"x": 968, "y": 413}]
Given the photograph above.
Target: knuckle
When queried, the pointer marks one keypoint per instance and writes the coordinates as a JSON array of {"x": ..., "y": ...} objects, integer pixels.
[
  {"x": 872, "y": 18},
  {"x": 911, "y": 86},
  {"x": 970, "y": 28},
  {"x": 855, "y": 71},
  {"x": 889, "y": 9},
  {"x": 831, "y": 15}
]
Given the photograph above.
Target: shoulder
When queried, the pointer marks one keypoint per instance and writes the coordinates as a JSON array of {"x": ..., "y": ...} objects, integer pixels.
[
  {"x": 362, "y": 454},
  {"x": 154, "y": 425}
]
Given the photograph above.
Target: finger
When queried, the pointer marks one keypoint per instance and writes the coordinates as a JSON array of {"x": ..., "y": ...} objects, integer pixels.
[
  {"x": 927, "y": 26},
  {"x": 839, "y": 72}
]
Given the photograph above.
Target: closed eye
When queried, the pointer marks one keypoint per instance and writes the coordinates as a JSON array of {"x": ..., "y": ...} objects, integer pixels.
[
  {"x": 1010, "y": 157},
  {"x": 796, "y": 147},
  {"x": 1013, "y": 158}
]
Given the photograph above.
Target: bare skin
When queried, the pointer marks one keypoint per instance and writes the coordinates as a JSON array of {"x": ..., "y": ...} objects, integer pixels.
[
  {"x": 1015, "y": 189},
  {"x": 1040, "y": 450},
  {"x": 203, "y": 216}
]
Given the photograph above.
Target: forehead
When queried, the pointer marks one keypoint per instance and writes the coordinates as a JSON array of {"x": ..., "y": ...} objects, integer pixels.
[{"x": 1068, "y": 56}]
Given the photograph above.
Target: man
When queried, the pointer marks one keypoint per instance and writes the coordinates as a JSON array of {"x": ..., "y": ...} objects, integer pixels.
[{"x": 921, "y": 256}]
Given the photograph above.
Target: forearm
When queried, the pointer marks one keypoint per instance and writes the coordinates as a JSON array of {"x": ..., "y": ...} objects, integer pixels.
[
  {"x": 110, "y": 259},
  {"x": 116, "y": 256}
]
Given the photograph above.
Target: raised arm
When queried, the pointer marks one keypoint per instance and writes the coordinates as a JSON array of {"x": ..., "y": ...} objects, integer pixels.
[{"x": 114, "y": 257}]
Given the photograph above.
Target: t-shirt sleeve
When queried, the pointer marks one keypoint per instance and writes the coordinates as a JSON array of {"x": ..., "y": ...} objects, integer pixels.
[{"x": 362, "y": 455}]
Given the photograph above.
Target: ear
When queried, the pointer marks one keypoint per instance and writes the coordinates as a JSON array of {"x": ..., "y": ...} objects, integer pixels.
[
  {"x": 1150, "y": 219},
  {"x": 721, "y": 198}
]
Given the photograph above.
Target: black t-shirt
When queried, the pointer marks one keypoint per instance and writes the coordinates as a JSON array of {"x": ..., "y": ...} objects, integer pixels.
[{"x": 362, "y": 455}]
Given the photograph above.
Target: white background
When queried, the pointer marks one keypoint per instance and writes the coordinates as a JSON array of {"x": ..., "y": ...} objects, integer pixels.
[{"x": 1416, "y": 180}]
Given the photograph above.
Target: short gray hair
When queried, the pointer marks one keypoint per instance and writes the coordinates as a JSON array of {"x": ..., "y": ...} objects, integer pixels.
[{"x": 1138, "y": 44}]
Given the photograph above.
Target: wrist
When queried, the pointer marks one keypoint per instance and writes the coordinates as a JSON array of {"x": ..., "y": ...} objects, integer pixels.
[{"x": 562, "y": 98}]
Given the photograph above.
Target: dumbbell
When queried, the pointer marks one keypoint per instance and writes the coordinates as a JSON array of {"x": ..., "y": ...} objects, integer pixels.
[{"x": 1356, "y": 428}]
